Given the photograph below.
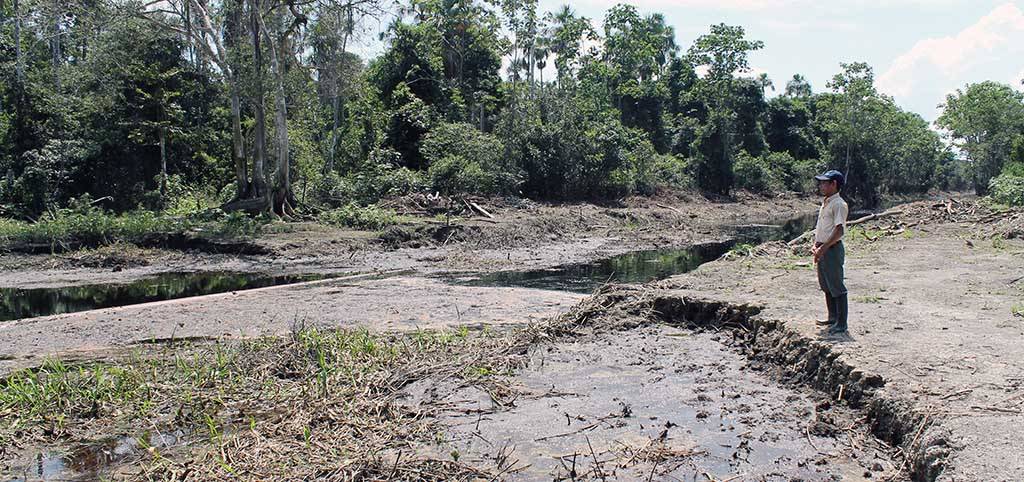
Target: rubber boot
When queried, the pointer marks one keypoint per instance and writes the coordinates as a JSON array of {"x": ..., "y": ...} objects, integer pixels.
[
  {"x": 842, "y": 312},
  {"x": 831, "y": 304}
]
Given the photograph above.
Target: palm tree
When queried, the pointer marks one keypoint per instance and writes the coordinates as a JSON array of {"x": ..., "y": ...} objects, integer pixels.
[
  {"x": 560, "y": 21},
  {"x": 765, "y": 83}
]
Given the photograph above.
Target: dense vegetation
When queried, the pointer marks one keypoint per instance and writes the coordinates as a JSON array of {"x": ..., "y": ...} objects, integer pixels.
[{"x": 186, "y": 105}]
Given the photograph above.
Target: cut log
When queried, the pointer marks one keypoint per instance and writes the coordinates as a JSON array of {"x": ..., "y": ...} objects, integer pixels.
[
  {"x": 476, "y": 207},
  {"x": 669, "y": 208}
]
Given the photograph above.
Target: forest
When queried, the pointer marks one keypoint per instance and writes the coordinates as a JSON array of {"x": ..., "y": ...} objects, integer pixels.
[{"x": 261, "y": 106}]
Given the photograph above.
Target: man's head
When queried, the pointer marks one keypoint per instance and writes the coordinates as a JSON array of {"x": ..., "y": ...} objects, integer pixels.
[{"x": 830, "y": 182}]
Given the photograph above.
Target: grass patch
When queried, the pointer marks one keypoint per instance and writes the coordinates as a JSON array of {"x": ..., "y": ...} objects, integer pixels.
[
  {"x": 360, "y": 217},
  {"x": 1017, "y": 310},
  {"x": 869, "y": 299},
  {"x": 313, "y": 403},
  {"x": 741, "y": 250},
  {"x": 89, "y": 226}
]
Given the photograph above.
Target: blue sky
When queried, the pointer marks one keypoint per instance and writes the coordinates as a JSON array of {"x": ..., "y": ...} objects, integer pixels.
[{"x": 920, "y": 49}]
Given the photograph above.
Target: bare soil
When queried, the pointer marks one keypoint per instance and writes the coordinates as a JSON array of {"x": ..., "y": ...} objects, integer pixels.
[{"x": 936, "y": 310}]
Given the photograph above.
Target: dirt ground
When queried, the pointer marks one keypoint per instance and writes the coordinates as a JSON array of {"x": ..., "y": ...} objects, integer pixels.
[
  {"x": 937, "y": 318},
  {"x": 937, "y": 310}
]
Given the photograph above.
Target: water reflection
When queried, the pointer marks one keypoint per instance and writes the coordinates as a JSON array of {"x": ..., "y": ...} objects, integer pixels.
[
  {"x": 16, "y": 303},
  {"x": 641, "y": 266}
]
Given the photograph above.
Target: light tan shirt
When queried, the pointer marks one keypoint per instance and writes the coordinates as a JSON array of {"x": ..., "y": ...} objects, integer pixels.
[{"x": 833, "y": 213}]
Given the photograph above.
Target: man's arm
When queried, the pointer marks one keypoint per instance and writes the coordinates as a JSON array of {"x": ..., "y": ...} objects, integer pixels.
[{"x": 820, "y": 249}]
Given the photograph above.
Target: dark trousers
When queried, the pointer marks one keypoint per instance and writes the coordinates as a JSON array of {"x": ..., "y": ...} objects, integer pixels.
[{"x": 830, "y": 279}]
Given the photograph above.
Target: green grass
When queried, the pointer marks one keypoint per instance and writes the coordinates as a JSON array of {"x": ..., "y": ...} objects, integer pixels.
[
  {"x": 741, "y": 250},
  {"x": 360, "y": 217},
  {"x": 315, "y": 390},
  {"x": 1017, "y": 310},
  {"x": 91, "y": 227}
]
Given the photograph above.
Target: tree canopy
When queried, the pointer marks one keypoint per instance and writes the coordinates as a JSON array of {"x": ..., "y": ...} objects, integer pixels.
[{"x": 261, "y": 105}]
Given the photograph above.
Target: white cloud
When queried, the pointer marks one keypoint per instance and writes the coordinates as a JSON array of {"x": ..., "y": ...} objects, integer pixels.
[{"x": 989, "y": 49}]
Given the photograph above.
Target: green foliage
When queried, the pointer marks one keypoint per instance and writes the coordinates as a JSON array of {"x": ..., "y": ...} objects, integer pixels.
[
  {"x": 465, "y": 160},
  {"x": 1007, "y": 189},
  {"x": 83, "y": 223},
  {"x": 984, "y": 120},
  {"x": 672, "y": 172},
  {"x": 435, "y": 112},
  {"x": 361, "y": 217},
  {"x": 767, "y": 174}
]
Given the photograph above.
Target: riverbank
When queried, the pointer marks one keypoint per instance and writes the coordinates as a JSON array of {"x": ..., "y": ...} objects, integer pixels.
[{"x": 936, "y": 314}]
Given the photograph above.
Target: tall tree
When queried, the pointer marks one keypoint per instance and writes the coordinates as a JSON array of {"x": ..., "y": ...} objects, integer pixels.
[
  {"x": 983, "y": 120},
  {"x": 723, "y": 51},
  {"x": 798, "y": 86}
]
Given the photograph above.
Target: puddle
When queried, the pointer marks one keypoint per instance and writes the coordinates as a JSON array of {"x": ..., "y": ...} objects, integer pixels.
[
  {"x": 656, "y": 402},
  {"x": 17, "y": 303},
  {"x": 641, "y": 266},
  {"x": 88, "y": 461}
]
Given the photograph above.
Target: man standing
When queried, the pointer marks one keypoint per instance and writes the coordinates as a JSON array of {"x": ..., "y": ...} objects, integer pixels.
[{"x": 829, "y": 253}]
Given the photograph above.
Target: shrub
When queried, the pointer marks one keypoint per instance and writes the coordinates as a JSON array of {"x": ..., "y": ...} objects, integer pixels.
[
  {"x": 455, "y": 174},
  {"x": 377, "y": 179},
  {"x": 353, "y": 215},
  {"x": 1007, "y": 189},
  {"x": 463, "y": 159},
  {"x": 755, "y": 174},
  {"x": 672, "y": 171}
]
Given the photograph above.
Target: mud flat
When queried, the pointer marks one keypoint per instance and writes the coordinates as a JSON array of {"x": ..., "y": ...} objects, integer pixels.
[
  {"x": 655, "y": 402},
  {"x": 381, "y": 302}
]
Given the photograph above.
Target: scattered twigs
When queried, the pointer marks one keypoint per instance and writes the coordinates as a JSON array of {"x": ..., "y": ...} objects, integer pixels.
[{"x": 910, "y": 448}]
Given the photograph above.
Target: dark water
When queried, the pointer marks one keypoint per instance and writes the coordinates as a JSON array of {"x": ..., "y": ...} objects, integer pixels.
[
  {"x": 17, "y": 303},
  {"x": 641, "y": 266},
  {"x": 90, "y": 461}
]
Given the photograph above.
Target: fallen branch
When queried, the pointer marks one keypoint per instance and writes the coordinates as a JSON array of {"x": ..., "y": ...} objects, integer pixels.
[
  {"x": 869, "y": 217},
  {"x": 476, "y": 207},
  {"x": 668, "y": 207}
]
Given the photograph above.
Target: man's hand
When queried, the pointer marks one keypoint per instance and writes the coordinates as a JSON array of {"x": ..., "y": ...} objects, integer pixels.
[{"x": 819, "y": 252}]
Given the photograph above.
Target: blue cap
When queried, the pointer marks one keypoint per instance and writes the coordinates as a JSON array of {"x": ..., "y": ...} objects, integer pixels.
[{"x": 832, "y": 175}]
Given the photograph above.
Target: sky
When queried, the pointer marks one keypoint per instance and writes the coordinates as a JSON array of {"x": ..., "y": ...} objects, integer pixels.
[{"x": 921, "y": 50}]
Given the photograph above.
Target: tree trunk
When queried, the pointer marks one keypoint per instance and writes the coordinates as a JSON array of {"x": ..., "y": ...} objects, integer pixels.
[
  {"x": 336, "y": 108},
  {"x": 163, "y": 163},
  {"x": 55, "y": 45},
  {"x": 237, "y": 143},
  {"x": 337, "y": 102},
  {"x": 259, "y": 183},
  {"x": 282, "y": 190},
  {"x": 19, "y": 66}
]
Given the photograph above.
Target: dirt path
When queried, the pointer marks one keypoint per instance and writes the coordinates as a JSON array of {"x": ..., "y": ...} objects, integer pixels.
[{"x": 935, "y": 311}]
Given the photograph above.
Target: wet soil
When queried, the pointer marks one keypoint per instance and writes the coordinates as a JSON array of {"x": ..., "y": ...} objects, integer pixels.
[{"x": 655, "y": 402}]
